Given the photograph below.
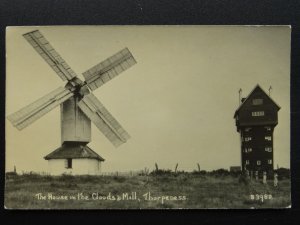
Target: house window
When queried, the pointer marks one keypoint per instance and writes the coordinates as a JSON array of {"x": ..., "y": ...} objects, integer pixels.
[
  {"x": 248, "y": 138},
  {"x": 68, "y": 163},
  {"x": 268, "y": 138},
  {"x": 257, "y": 101},
  {"x": 248, "y": 150},
  {"x": 268, "y": 149},
  {"x": 247, "y": 129},
  {"x": 259, "y": 113},
  {"x": 247, "y": 162},
  {"x": 268, "y": 128},
  {"x": 269, "y": 161},
  {"x": 258, "y": 162}
]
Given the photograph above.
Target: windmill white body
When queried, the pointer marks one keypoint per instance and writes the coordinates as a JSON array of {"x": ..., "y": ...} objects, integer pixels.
[{"x": 78, "y": 108}]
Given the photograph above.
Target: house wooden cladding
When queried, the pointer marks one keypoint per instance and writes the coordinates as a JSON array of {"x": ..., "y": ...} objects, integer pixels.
[{"x": 255, "y": 120}]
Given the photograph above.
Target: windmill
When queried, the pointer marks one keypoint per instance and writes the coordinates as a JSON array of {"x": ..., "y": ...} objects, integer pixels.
[{"x": 78, "y": 108}]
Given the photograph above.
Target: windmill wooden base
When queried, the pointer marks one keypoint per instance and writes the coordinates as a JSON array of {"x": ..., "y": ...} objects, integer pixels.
[{"x": 74, "y": 156}]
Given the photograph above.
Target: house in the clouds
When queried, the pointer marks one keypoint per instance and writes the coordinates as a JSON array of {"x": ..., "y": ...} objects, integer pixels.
[{"x": 256, "y": 118}]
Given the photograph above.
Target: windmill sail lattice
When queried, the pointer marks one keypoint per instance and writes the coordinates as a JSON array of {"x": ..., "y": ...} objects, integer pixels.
[
  {"x": 109, "y": 68},
  {"x": 105, "y": 122},
  {"x": 78, "y": 106},
  {"x": 44, "y": 49},
  {"x": 37, "y": 109}
]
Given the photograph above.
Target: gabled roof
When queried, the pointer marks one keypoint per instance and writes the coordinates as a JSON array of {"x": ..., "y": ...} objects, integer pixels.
[
  {"x": 73, "y": 151},
  {"x": 256, "y": 87}
]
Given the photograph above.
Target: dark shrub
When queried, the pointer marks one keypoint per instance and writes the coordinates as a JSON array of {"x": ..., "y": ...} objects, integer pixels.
[
  {"x": 66, "y": 177},
  {"x": 63, "y": 185},
  {"x": 10, "y": 175},
  {"x": 203, "y": 172},
  {"x": 220, "y": 172},
  {"x": 119, "y": 179},
  {"x": 235, "y": 173},
  {"x": 161, "y": 172},
  {"x": 283, "y": 173},
  {"x": 243, "y": 179}
]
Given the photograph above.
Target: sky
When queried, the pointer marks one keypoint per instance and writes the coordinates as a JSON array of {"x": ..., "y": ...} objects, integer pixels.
[{"x": 177, "y": 103}]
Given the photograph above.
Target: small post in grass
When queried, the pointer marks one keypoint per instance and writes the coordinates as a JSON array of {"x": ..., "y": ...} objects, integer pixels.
[
  {"x": 256, "y": 175},
  {"x": 146, "y": 171},
  {"x": 264, "y": 177},
  {"x": 198, "y": 167},
  {"x": 176, "y": 168}
]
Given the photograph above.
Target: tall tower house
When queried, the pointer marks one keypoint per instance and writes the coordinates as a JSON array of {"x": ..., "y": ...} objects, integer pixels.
[{"x": 256, "y": 118}]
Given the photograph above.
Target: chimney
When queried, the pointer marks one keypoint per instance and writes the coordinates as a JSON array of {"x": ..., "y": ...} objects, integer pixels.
[{"x": 240, "y": 95}]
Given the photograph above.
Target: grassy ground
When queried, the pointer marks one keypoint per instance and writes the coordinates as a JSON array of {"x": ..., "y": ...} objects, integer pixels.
[{"x": 166, "y": 191}]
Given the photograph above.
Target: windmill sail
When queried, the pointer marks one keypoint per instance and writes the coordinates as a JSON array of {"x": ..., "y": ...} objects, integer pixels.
[
  {"x": 44, "y": 49},
  {"x": 104, "y": 121},
  {"x": 37, "y": 109},
  {"x": 109, "y": 68}
]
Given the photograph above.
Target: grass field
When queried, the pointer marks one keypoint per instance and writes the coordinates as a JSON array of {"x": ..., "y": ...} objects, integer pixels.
[{"x": 146, "y": 192}]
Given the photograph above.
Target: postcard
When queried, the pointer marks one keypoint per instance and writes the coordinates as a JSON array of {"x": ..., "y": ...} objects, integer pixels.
[{"x": 147, "y": 117}]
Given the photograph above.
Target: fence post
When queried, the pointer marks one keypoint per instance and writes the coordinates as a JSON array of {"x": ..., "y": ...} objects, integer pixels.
[
  {"x": 156, "y": 167},
  {"x": 198, "y": 167},
  {"x": 176, "y": 168},
  {"x": 146, "y": 171}
]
